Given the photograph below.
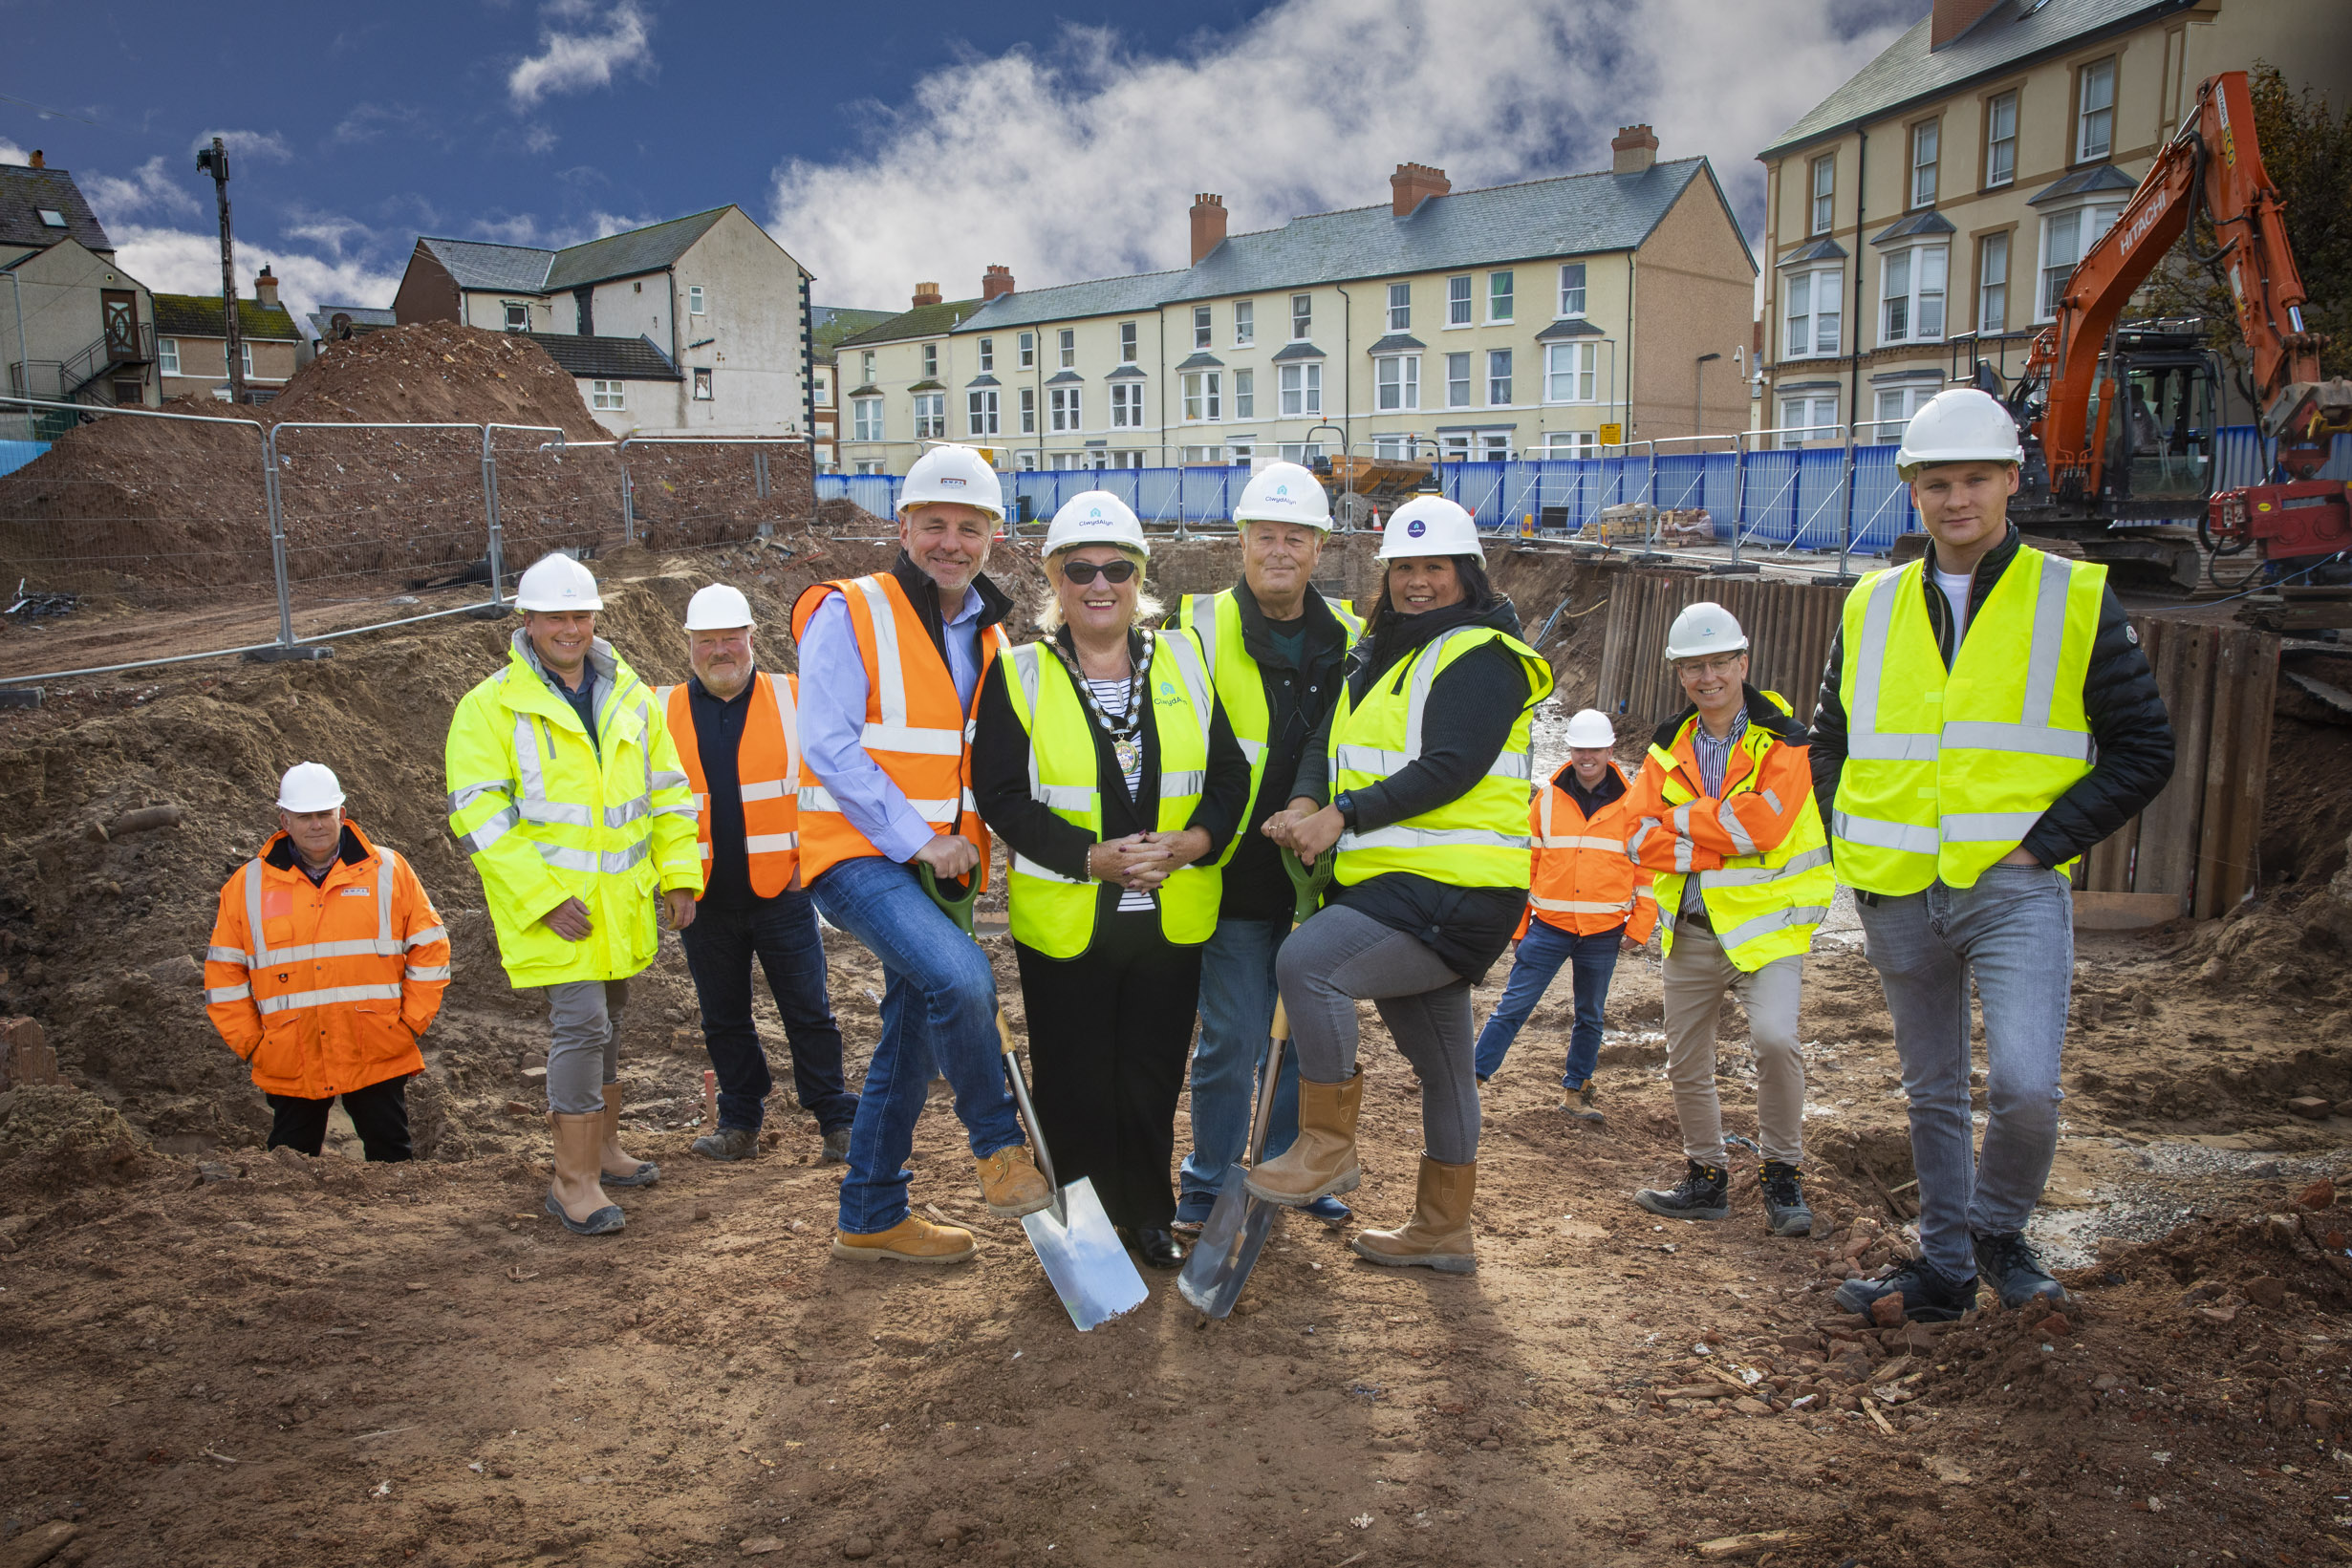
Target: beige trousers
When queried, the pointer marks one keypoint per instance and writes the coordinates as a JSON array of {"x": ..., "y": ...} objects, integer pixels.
[{"x": 1696, "y": 978}]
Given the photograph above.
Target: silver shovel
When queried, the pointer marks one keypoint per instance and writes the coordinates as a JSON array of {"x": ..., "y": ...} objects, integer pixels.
[{"x": 1072, "y": 1236}]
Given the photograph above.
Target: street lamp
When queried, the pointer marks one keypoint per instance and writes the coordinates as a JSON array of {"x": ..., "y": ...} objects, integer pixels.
[{"x": 1698, "y": 406}]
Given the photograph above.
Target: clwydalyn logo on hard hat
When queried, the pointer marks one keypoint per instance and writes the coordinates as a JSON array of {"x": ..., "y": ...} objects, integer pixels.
[
  {"x": 1094, "y": 511},
  {"x": 1416, "y": 528},
  {"x": 1281, "y": 492}
]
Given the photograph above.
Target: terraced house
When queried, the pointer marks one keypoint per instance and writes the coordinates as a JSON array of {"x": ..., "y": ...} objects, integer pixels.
[
  {"x": 1930, "y": 211},
  {"x": 1551, "y": 317}
]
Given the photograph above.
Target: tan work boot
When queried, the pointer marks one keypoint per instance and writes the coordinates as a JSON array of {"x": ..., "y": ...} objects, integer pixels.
[
  {"x": 1010, "y": 1183},
  {"x": 619, "y": 1169},
  {"x": 1439, "y": 1235},
  {"x": 1322, "y": 1161},
  {"x": 575, "y": 1197},
  {"x": 914, "y": 1240}
]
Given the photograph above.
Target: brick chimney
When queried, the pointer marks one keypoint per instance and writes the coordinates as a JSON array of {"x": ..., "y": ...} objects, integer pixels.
[
  {"x": 1208, "y": 224},
  {"x": 1414, "y": 183},
  {"x": 1636, "y": 147},
  {"x": 996, "y": 282},
  {"x": 928, "y": 293},
  {"x": 37, "y": 161},
  {"x": 266, "y": 289},
  {"x": 1954, "y": 17}
]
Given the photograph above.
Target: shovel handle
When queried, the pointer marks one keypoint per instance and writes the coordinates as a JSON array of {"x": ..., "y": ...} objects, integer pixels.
[
  {"x": 1307, "y": 884},
  {"x": 1028, "y": 1112},
  {"x": 956, "y": 908}
]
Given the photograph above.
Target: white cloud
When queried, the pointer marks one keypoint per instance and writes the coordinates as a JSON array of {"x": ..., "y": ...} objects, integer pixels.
[
  {"x": 182, "y": 262},
  {"x": 267, "y": 145},
  {"x": 580, "y": 48},
  {"x": 11, "y": 153},
  {"x": 1082, "y": 162},
  {"x": 149, "y": 189}
]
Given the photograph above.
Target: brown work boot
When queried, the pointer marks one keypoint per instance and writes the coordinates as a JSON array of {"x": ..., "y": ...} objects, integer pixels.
[
  {"x": 1010, "y": 1185},
  {"x": 574, "y": 1197},
  {"x": 622, "y": 1170},
  {"x": 1322, "y": 1161},
  {"x": 914, "y": 1240},
  {"x": 1439, "y": 1235}
]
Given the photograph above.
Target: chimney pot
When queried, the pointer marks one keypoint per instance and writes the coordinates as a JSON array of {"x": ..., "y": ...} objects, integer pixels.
[
  {"x": 996, "y": 282},
  {"x": 1636, "y": 148},
  {"x": 38, "y": 162},
  {"x": 1414, "y": 183},
  {"x": 1208, "y": 224},
  {"x": 1954, "y": 17},
  {"x": 266, "y": 289},
  {"x": 928, "y": 293}
]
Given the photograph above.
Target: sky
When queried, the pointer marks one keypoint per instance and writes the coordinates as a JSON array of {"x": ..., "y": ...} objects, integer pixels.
[{"x": 882, "y": 145}]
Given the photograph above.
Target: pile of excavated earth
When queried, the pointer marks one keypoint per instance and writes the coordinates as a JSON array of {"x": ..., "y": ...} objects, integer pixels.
[{"x": 221, "y": 1356}]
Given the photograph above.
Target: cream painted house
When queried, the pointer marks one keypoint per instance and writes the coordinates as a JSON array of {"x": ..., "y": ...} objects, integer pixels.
[
  {"x": 74, "y": 328},
  {"x": 1929, "y": 212},
  {"x": 192, "y": 343},
  {"x": 1515, "y": 321}
]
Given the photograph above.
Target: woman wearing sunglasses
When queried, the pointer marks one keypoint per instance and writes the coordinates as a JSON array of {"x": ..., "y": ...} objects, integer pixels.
[{"x": 1101, "y": 757}]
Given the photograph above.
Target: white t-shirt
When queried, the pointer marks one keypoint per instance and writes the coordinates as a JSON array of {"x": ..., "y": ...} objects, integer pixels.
[
  {"x": 1955, "y": 586},
  {"x": 1112, "y": 697}
]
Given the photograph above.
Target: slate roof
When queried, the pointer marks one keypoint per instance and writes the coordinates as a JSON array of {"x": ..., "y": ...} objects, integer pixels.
[
  {"x": 1929, "y": 222},
  {"x": 199, "y": 315},
  {"x": 363, "y": 317},
  {"x": 922, "y": 321},
  {"x": 1299, "y": 351},
  {"x": 1136, "y": 373},
  {"x": 24, "y": 191},
  {"x": 1909, "y": 72},
  {"x": 1201, "y": 360},
  {"x": 1396, "y": 343},
  {"x": 625, "y": 255},
  {"x": 2082, "y": 183},
  {"x": 607, "y": 358},
  {"x": 1575, "y": 326},
  {"x": 829, "y": 324},
  {"x": 503, "y": 268},
  {"x": 1073, "y": 301}
]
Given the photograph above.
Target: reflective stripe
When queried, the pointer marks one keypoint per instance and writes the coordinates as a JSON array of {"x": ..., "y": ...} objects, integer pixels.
[
  {"x": 1023, "y": 865},
  {"x": 664, "y": 779},
  {"x": 1174, "y": 787},
  {"x": 891, "y": 696},
  {"x": 1748, "y": 876},
  {"x": 556, "y": 813},
  {"x": 1869, "y": 665},
  {"x": 530, "y": 777},
  {"x": 763, "y": 844},
  {"x": 628, "y": 811},
  {"x": 462, "y": 798},
  {"x": 1735, "y": 830},
  {"x": 1253, "y": 751},
  {"x": 767, "y": 790},
  {"x": 227, "y": 992},
  {"x": 1900, "y": 837},
  {"x": 2075, "y": 745},
  {"x": 587, "y": 861},
  {"x": 788, "y": 717},
  {"x": 430, "y": 934},
  {"x": 1200, "y": 619},
  {"x": 252, "y": 912},
  {"x": 2049, "y": 642},
  {"x": 1642, "y": 831},
  {"x": 312, "y": 951},
  {"x": 907, "y": 737},
  {"x": 1764, "y": 925},
  {"x": 1870, "y": 746},
  {"x": 228, "y": 956},
  {"x": 429, "y": 972},
  {"x": 1681, "y": 819},
  {"x": 1682, "y": 855},
  {"x": 1987, "y": 827},
  {"x": 1063, "y": 797},
  {"x": 1574, "y": 905},
  {"x": 491, "y": 831},
  {"x": 816, "y": 798},
  {"x": 1415, "y": 838},
  {"x": 333, "y": 994}
]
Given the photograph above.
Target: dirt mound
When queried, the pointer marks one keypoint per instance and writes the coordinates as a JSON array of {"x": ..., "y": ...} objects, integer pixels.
[{"x": 56, "y": 1135}]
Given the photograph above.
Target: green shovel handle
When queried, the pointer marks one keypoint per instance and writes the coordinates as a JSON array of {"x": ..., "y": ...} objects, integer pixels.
[
  {"x": 956, "y": 909},
  {"x": 1307, "y": 882}
]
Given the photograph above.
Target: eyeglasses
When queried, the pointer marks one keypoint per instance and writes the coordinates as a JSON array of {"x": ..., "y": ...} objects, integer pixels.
[
  {"x": 1083, "y": 572},
  {"x": 1721, "y": 664}
]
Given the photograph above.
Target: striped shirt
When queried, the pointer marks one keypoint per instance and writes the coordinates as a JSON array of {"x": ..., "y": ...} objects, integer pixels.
[{"x": 1714, "y": 757}]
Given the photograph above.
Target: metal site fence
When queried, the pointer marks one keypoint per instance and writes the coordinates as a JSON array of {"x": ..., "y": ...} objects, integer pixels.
[{"x": 273, "y": 539}]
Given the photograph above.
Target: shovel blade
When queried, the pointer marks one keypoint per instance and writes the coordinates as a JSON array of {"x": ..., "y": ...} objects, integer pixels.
[
  {"x": 1230, "y": 1240},
  {"x": 1090, "y": 1270}
]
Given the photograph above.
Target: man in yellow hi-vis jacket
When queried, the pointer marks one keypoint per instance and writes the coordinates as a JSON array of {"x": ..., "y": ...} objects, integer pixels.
[{"x": 566, "y": 788}]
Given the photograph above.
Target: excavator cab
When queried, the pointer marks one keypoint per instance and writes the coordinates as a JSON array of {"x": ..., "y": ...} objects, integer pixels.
[{"x": 2160, "y": 436}]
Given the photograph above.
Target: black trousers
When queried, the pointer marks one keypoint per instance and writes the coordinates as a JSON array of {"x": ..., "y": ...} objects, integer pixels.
[
  {"x": 378, "y": 1113},
  {"x": 781, "y": 934},
  {"x": 1109, "y": 1033}
]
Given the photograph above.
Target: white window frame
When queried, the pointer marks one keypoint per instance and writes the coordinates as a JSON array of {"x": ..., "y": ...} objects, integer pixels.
[
  {"x": 513, "y": 308},
  {"x": 1460, "y": 303},
  {"x": 1203, "y": 325},
  {"x": 987, "y": 355},
  {"x": 1894, "y": 406},
  {"x": 866, "y": 364},
  {"x": 1065, "y": 409},
  {"x": 1561, "y": 445},
  {"x": 2079, "y": 226},
  {"x": 1068, "y": 344},
  {"x": 1244, "y": 394},
  {"x": 608, "y": 396},
  {"x": 2001, "y": 150},
  {"x": 1822, "y": 171},
  {"x": 1127, "y": 405},
  {"x": 931, "y": 415},
  {"x": 1993, "y": 254},
  {"x": 1457, "y": 380},
  {"x": 1803, "y": 418},
  {"x": 1301, "y": 389},
  {"x": 1498, "y": 369},
  {"x": 1305, "y": 452},
  {"x": 1927, "y": 151},
  {"x": 1028, "y": 411},
  {"x": 1028, "y": 351},
  {"x": 167, "y": 355},
  {"x": 245, "y": 357},
  {"x": 1571, "y": 291},
  {"x": 1493, "y": 445},
  {"x": 1241, "y": 453},
  {"x": 1392, "y": 448},
  {"x": 931, "y": 361},
  {"x": 1244, "y": 323},
  {"x": 1813, "y": 278},
  {"x": 867, "y": 465},
  {"x": 1454, "y": 447},
  {"x": 1124, "y": 457},
  {"x": 981, "y": 412},
  {"x": 866, "y": 421},
  {"x": 2095, "y": 119},
  {"x": 1205, "y": 396},
  {"x": 1198, "y": 457},
  {"x": 1302, "y": 317},
  {"x": 1502, "y": 298},
  {"x": 1400, "y": 307},
  {"x": 1396, "y": 382},
  {"x": 1130, "y": 344},
  {"x": 1572, "y": 372},
  {"x": 1914, "y": 283},
  {"x": 694, "y": 300},
  {"x": 1026, "y": 459}
]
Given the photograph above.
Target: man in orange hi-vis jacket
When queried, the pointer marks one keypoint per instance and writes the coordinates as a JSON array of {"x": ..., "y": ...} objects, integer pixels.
[{"x": 327, "y": 962}]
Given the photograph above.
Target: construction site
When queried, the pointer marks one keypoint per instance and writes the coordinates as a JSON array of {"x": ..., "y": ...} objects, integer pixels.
[{"x": 222, "y": 1355}]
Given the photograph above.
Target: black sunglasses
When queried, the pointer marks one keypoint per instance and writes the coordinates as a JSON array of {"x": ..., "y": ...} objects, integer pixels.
[{"x": 1083, "y": 572}]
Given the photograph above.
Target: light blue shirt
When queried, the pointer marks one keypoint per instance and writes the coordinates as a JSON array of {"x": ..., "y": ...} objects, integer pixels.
[{"x": 833, "y": 721}]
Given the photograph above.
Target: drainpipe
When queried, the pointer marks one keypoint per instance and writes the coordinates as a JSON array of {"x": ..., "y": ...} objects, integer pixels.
[
  {"x": 1161, "y": 314},
  {"x": 1853, "y": 378},
  {"x": 1347, "y": 308},
  {"x": 24, "y": 355}
]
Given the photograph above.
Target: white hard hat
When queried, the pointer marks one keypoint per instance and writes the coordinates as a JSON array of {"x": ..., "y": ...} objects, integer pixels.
[
  {"x": 952, "y": 473},
  {"x": 1591, "y": 727},
  {"x": 1963, "y": 424},
  {"x": 1284, "y": 492},
  {"x": 1096, "y": 517},
  {"x": 1703, "y": 629},
  {"x": 1431, "y": 526},
  {"x": 718, "y": 608},
  {"x": 557, "y": 582},
  {"x": 310, "y": 786}
]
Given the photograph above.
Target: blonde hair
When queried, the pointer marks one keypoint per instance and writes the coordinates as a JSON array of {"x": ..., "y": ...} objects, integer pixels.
[{"x": 1148, "y": 607}]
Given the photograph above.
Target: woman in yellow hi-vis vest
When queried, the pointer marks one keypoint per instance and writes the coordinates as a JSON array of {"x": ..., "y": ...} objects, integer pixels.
[
  {"x": 1101, "y": 757},
  {"x": 1419, "y": 783}
]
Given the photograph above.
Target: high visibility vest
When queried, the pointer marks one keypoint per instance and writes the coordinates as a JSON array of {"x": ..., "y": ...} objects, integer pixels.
[
  {"x": 324, "y": 989},
  {"x": 1055, "y": 913},
  {"x": 1763, "y": 906},
  {"x": 547, "y": 816},
  {"x": 917, "y": 730},
  {"x": 1581, "y": 880},
  {"x": 1946, "y": 772},
  {"x": 767, "y": 765},
  {"x": 1479, "y": 838},
  {"x": 1215, "y": 621}
]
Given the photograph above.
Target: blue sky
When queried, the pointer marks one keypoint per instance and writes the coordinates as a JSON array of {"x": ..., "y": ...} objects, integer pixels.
[{"x": 882, "y": 144}]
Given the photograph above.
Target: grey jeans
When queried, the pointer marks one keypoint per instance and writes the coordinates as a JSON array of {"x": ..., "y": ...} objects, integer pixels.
[
  {"x": 583, "y": 1043},
  {"x": 1340, "y": 956},
  {"x": 2014, "y": 933},
  {"x": 1698, "y": 976}
]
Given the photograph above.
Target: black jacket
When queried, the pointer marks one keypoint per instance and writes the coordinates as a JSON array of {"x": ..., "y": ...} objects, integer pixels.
[
  {"x": 1473, "y": 706},
  {"x": 1000, "y": 788},
  {"x": 1296, "y": 702},
  {"x": 2132, "y": 756}
]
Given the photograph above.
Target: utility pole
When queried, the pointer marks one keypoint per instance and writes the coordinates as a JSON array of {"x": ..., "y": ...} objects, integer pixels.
[{"x": 214, "y": 161}]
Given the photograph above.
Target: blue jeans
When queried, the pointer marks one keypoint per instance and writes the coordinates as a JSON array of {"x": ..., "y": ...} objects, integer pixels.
[
  {"x": 1237, "y": 1025},
  {"x": 1541, "y": 953},
  {"x": 781, "y": 934},
  {"x": 2013, "y": 932},
  {"x": 938, "y": 1010}
]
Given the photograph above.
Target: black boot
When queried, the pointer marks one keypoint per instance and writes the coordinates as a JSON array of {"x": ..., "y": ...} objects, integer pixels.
[
  {"x": 1704, "y": 1193},
  {"x": 2010, "y": 1267},
  {"x": 1786, "y": 1210},
  {"x": 1927, "y": 1296},
  {"x": 1160, "y": 1248}
]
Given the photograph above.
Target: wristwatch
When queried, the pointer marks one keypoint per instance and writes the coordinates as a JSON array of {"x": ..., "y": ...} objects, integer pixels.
[{"x": 1343, "y": 803}]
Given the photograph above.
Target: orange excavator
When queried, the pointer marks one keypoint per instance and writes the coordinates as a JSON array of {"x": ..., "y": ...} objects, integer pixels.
[{"x": 2119, "y": 419}]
